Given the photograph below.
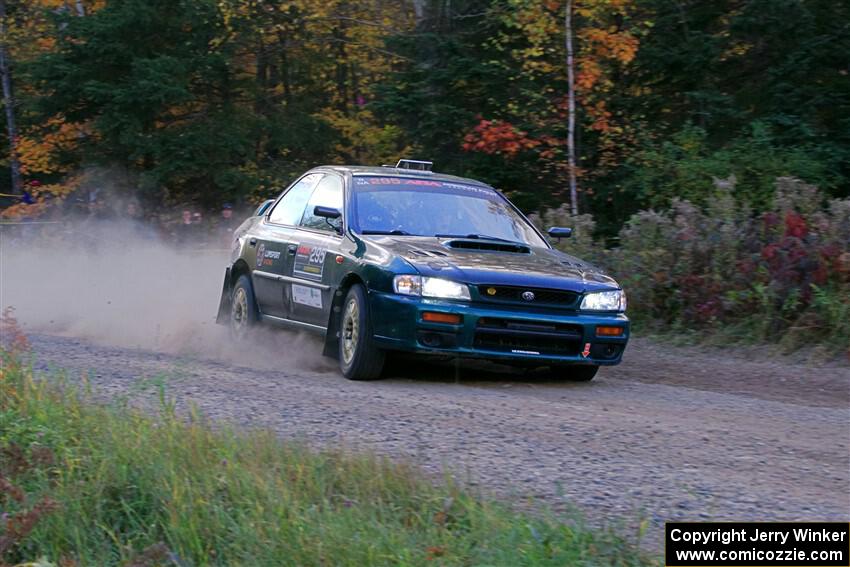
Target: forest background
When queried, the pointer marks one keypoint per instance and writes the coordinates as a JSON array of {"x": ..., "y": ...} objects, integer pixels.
[{"x": 711, "y": 140}]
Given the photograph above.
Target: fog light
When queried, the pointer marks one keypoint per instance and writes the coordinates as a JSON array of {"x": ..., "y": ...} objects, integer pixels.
[
  {"x": 430, "y": 339},
  {"x": 434, "y": 317},
  {"x": 609, "y": 331}
]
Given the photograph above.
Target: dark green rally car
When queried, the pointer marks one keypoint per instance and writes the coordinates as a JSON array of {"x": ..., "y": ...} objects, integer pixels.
[{"x": 381, "y": 259}]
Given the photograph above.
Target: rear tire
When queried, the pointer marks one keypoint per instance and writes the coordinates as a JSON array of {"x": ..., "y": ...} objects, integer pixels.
[
  {"x": 574, "y": 372},
  {"x": 243, "y": 309},
  {"x": 359, "y": 358}
]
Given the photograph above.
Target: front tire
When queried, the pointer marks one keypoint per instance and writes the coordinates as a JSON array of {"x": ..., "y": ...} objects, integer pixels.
[
  {"x": 359, "y": 358},
  {"x": 243, "y": 308},
  {"x": 574, "y": 373}
]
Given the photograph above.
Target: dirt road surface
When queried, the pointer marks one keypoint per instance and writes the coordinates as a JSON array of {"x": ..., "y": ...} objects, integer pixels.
[{"x": 672, "y": 434}]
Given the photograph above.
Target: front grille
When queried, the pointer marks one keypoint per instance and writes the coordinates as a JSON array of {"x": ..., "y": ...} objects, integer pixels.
[
  {"x": 507, "y": 335},
  {"x": 513, "y": 294}
]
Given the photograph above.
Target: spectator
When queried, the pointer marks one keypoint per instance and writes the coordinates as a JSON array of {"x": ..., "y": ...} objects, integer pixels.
[
  {"x": 185, "y": 232},
  {"x": 134, "y": 223},
  {"x": 226, "y": 226},
  {"x": 201, "y": 230},
  {"x": 132, "y": 211}
]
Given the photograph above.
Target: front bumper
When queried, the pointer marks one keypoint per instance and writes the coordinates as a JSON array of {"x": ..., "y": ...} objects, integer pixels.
[{"x": 496, "y": 332}]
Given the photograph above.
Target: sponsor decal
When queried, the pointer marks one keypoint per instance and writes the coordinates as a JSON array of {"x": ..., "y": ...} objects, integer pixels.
[
  {"x": 395, "y": 182},
  {"x": 309, "y": 262},
  {"x": 270, "y": 256},
  {"x": 517, "y": 351},
  {"x": 586, "y": 352},
  {"x": 309, "y": 296},
  {"x": 266, "y": 257},
  {"x": 261, "y": 250}
]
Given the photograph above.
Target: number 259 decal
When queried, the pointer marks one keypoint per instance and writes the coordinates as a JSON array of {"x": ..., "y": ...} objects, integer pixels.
[
  {"x": 317, "y": 256},
  {"x": 309, "y": 262}
]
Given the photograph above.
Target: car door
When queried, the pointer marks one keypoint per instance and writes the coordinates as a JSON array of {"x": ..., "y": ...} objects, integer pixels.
[
  {"x": 317, "y": 242},
  {"x": 273, "y": 259}
]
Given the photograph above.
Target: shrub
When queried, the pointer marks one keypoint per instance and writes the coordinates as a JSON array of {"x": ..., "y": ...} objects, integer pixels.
[
  {"x": 781, "y": 276},
  {"x": 685, "y": 165}
]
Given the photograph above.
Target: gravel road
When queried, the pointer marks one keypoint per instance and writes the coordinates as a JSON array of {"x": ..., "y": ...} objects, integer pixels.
[{"x": 671, "y": 434}]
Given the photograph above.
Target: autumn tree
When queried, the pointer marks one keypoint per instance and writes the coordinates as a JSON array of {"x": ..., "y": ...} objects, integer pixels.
[
  {"x": 209, "y": 100},
  {"x": 9, "y": 103}
]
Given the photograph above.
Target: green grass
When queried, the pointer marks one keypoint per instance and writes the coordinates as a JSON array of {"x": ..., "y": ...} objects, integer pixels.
[{"x": 102, "y": 486}]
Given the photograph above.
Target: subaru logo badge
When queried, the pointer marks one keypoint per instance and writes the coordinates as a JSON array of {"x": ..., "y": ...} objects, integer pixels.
[{"x": 528, "y": 295}]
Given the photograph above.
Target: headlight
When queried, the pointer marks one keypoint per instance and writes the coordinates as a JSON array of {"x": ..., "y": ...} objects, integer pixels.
[
  {"x": 430, "y": 287},
  {"x": 438, "y": 287},
  {"x": 604, "y": 301},
  {"x": 408, "y": 285}
]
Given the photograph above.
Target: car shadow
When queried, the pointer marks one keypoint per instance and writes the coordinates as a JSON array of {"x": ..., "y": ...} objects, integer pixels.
[{"x": 466, "y": 371}]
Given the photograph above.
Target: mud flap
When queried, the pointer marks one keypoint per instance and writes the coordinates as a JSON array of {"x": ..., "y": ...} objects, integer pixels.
[
  {"x": 223, "y": 316},
  {"x": 331, "y": 348}
]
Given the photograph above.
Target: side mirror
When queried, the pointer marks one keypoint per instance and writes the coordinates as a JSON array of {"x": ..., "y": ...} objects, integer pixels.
[
  {"x": 559, "y": 232},
  {"x": 329, "y": 214},
  {"x": 262, "y": 209},
  {"x": 326, "y": 212}
]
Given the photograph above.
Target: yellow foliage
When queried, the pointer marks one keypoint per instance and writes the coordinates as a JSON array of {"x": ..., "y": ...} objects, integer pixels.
[
  {"x": 365, "y": 141},
  {"x": 42, "y": 203},
  {"x": 37, "y": 149}
]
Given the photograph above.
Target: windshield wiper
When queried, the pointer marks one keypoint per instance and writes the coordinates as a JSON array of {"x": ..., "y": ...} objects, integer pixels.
[
  {"x": 476, "y": 236},
  {"x": 395, "y": 232}
]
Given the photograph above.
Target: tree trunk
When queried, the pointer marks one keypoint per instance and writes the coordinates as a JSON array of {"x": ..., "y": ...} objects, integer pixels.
[
  {"x": 571, "y": 107},
  {"x": 339, "y": 35},
  {"x": 261, "y": 78},
  {"x": 81, "y": 10},
  {"x": 418, "y": 11},
  {"x": 285, "y": 71},
  {"x": 9, "y": 104}
]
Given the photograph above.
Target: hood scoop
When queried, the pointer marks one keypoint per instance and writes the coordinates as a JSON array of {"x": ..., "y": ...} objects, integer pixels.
[
  {"x": 488, "y": 245},
  {"x": 420, "y": 253}
]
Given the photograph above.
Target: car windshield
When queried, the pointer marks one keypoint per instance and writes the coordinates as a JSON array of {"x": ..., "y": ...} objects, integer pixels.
[{"x": 426, "y": 207}]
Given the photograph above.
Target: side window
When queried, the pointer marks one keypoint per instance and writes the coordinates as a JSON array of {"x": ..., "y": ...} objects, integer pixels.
[
  {"x": 289, "y": 209},
  {"x": 328, "y": 193}
]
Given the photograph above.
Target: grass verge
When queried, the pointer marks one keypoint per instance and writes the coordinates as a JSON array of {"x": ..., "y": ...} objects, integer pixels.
[{"x": 87, "y": 484}]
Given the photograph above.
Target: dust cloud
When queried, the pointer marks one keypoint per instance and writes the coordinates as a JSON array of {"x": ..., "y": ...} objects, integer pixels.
[{"x": 123, "y": 286}]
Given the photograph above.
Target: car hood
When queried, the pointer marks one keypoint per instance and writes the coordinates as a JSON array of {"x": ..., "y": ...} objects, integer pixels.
[{"x": 501, "y": 264}]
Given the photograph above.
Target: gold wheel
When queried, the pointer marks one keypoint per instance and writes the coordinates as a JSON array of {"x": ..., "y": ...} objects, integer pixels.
[
  {"x": 239, "y": 318},
  {"x": 350, "y": 330}
]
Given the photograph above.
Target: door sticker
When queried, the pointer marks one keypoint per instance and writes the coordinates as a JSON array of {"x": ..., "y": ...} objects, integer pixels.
[
  {"x": 309, "y": 262},
  {"x": 266, "y": 258},
  {"x": 308, "y": 296}
]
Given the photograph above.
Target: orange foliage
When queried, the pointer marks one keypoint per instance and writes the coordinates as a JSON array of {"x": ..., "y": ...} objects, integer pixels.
[
  {"x": 589, "y": 73},
  {"x": 498, "y": 137},
  {"x": 600, "y": 115},
  {"x": 609, "y": 44}
]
